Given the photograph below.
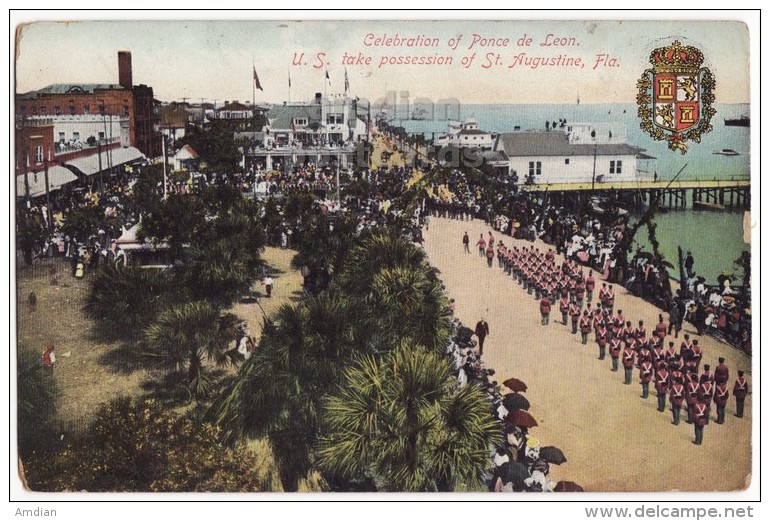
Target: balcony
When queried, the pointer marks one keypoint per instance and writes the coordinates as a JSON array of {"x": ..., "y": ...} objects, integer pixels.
[{"x": 63, "y": 148}]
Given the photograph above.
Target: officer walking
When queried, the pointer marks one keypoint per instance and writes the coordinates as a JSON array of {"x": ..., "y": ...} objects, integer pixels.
[{"x": 740, "y": 390}]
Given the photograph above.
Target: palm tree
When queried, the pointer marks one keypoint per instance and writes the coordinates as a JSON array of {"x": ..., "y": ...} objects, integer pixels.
[
  {"x": 399, "y": 422},
  {"x": 278, "y": 392},
  {"x": 189, "y": 333}
]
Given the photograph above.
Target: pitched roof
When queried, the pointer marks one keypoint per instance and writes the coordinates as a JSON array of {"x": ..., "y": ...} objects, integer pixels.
[
  {"x": 539, "y": 143},
  {"x": 473, "y": 131},
  {"x": 282, "y": 116},
  {"x": 234, "y": 106},
  {"x": 71, "y": 88},
  {"x": 186, "y": 152}
]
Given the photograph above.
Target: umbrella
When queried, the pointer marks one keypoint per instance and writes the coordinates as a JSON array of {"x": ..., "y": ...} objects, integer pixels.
[
  {"x": 666, "y": 264},
  {"x": 515, "y": 401},
  {"x": 513, "y": 472},
  {"x": 553, "y": 455},
  {"x": 521, "y": 419},
  {"x": 515, "y": 385},
  {"x": 568, "y": 486}
]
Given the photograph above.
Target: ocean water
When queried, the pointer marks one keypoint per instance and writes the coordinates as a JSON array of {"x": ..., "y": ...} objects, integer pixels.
[{"x": 714, "y": 238}]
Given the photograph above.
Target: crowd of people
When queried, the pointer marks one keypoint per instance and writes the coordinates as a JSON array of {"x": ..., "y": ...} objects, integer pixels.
[
  {"x": 595, "y": 238},
  {"x": 674, "y": 371}
]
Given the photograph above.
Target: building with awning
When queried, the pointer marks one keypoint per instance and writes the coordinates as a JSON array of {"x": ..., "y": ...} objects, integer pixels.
[
  {"x": 89, "y": 165},
  {"x": 58, "y": 176}
]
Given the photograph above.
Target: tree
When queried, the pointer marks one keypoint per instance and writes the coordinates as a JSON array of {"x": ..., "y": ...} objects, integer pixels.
[
  {"x": 140, "y": 447},
  {"x": 189, "y": 333},
  {"x": 399, "y": 422},
  {"x": 278, "y": 392},
  {"x": 127, "y": 298},
  {"x": 37, "y": 393}
]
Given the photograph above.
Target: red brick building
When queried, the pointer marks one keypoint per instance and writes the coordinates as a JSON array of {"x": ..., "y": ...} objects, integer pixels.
[{"x": 124, "y": 99}]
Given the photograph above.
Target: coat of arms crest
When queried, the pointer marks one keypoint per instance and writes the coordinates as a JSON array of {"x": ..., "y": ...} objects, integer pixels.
[{"x": 676, "y": 95}]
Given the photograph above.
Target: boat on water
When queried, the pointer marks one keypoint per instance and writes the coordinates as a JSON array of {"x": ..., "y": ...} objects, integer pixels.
[
  {"x": 742, "y": 121},
  {"x": 727, "y": 152}
]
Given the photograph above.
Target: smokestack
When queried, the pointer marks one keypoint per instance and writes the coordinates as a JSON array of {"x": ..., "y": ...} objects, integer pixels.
[{"x": 125, "y": 73}]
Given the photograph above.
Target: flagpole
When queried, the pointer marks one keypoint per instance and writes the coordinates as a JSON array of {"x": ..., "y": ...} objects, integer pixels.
[
  {"x": 253, "y": 96},
  {"x": 289, "y": 86}
]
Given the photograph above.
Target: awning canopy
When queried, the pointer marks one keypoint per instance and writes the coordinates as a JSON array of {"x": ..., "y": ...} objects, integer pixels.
[
  {"x": 58, "y": 176},
  {"x": 89, "y": 165}
]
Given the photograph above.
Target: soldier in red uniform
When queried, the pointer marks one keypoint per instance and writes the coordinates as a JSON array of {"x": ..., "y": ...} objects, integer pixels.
[
  {"x": 574, "y": 313},
  {"x": 740, "y": 390},
  {"x": 645, "y": 376},
  {"x": 603, "y": 294},
  {"x": 697, "y": 354},
  {"x": 721, "y": 394},
  {"x": 676, "y": 397},
  {"x": 585, "y": 327},
  {"x": 628, "y": 331},
  {"x": 661, "y": 329},
  {"x": 628, "y": 364},
  {"x": 640, "y": 332},
  {"x": 700, "y": 419},
  {"x": 721, "y": 373},
  {"x": 706, "y": 393},
  {"x": 610, "y": 298},
  {"x": 580, "y": 293},
  {"x": 691, "y": 396},
  {"x": 615, "y": 349},
  {"x": 564, "y": 308},
  {"x": 601, "y": 340},
  {"x": 590, "y": 285},
  {"x": 662, "y": 383},
  {"x": 670, "y": 354},
  {"x": 545, "y": 309},
  {"x": 685, "y": 349}
]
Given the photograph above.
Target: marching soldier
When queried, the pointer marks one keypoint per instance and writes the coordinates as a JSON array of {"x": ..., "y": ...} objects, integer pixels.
[
  {"x": 585, "y": 327},
  {"x": 721, "y": 373},
  {"x": 590, "y": 285},
  {"x": 721, "y": 394},
  {"x": 601, "y": 340},
  {"x": 740, "y": 390},
  {"x": 574, "y": 313},
  {"x": 676, "y": 396},
  {"x": 697, "y": 354},
  {"x": 670, "y": 354},
  {"x": 685, "y": 349},
  {"x": 628, "y": 364},
  {"x": 662, "y": 384},
  {"x": 706, "y": 393},
  {"x": 691, "y": 396},
  {"x": 661, "y": 329},
  {"x": 700, "y": 419},
  {"x": 615, "y": 348},
  {"x": 564, "y": 308},
  {"x": 640, "y": 332},
  {"x": 645, "y": 376},
  {"x": 545, "y": 309}
]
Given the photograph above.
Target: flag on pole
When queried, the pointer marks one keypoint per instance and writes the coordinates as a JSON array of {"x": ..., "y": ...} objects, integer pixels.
[
  {"x": 327, "y": 77},
  {"x": 289, "y": 80},
  {"x": 347, "y": 83},
  {"x": 256, "y": 80}
]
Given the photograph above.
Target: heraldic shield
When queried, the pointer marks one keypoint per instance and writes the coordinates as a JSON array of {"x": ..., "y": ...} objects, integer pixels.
[{"x": 675, "y": 97}]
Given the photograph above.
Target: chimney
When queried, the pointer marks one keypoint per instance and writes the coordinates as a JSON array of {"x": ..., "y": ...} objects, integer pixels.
[{"x": 125, "y": 74}]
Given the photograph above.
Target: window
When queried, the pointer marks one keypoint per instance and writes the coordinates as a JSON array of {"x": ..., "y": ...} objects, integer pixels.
[
  {"x": 57, "y": 110},
  {"x": 125, "y": 110},
  {"x": 566, "y": 161},
  {"x": 39, "y": 154},
  {"x": 86, "y": 109},
  {"x": 61, "y": 137},
  {"x": 616, "y": 167},
  {"x": 43, "y": 111},
  {"x": 76, "y": 136},
  {"x": 101, "y": 110},
  {"x": 34, "y": 111},
  {"x": 300, "y": 122},
  {"x": 535, "y": 168},
  {"x": 101, "y": 136},
  {"x": 332, "y": 119},
  {"x": 72, "y": 110}
]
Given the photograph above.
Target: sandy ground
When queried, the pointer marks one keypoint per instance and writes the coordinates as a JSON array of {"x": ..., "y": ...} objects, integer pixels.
[
  {"x": 90, "y": 370},
  {"x": 614, "y": 440}
]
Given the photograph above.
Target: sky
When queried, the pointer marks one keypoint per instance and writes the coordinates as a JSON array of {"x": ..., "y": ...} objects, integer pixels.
[{"x": 213, "y": 59}]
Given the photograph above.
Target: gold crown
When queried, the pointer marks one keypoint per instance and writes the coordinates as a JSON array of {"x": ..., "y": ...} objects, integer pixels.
[{"x": 676, "y": 59}]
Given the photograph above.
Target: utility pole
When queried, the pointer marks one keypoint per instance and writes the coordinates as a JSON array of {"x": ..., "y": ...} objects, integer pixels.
[{"x": 165, "y": 183}]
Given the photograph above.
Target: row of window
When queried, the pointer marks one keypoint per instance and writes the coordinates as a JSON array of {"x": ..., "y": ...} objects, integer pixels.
[
  {"x": 58, "y": 112},
  {"x": 536, "y": 167},
  {"x": 75, "y": 136}
]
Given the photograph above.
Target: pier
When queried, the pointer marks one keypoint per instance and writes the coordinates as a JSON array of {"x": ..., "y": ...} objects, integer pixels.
[{"x": 716, "y": 195}]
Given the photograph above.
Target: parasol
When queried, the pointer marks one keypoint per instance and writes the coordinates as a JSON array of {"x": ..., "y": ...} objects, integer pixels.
[
  {"x": 515, "y": 385},
  {"x": 521, "y": 418},
  {"x": 553, "y": 455},
  {"x": 568, "y": 486},
  {"x": 667, "y": 264},
  {"x": 513, "y": 472},
  {"x": 515, "y": 401}
]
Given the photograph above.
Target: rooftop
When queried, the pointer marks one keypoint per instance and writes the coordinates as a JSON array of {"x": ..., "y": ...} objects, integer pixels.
[
  {"x": 69, "y": 88},
  {"x": 538, "y": 143}
]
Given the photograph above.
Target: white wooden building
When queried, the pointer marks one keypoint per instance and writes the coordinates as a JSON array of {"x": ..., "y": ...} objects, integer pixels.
[{"x": 578, "y": 153}]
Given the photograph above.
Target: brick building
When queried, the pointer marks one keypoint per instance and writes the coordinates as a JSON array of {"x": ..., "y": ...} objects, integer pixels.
[{"x": 124, "y": 99}]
